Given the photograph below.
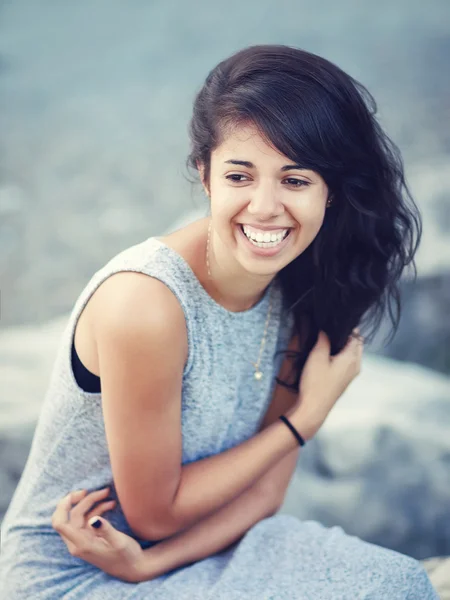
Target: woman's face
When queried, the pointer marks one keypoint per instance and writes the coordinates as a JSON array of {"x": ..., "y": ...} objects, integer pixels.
[{"x": 259, "y": 193}]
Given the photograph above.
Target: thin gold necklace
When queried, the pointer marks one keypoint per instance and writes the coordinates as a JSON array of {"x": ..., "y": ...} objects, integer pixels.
[{"x": 258, "y": 373}]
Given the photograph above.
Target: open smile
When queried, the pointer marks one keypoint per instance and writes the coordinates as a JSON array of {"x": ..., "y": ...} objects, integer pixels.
[{"x": 267, "y": 243}]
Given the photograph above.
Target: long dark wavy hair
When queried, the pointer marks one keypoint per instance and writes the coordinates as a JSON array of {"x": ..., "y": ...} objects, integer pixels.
[{"x": 319, "y": 116}]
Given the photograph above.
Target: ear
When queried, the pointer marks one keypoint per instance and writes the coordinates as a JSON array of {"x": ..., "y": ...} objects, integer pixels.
[{"x": 201, "y": 171}]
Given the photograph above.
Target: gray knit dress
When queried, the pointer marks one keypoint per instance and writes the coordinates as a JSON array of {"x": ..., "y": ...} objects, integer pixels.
[{"x": 280, "y": 557}]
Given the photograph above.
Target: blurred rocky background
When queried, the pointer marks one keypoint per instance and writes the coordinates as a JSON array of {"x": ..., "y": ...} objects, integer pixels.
[{"x": 95, "y": 99}]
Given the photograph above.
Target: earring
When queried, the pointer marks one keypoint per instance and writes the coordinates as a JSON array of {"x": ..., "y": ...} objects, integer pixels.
[{"x": 329, "y": 202}]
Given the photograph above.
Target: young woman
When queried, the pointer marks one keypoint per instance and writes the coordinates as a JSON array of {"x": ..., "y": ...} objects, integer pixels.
[{"x": 220, "y": 349}]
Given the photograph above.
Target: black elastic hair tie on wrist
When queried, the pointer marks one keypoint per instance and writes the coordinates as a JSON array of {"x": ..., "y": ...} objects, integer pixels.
[{"x": 299, "y": 438}]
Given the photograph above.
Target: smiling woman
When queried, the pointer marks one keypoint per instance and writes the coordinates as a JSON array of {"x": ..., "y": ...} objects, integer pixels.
[
  {"x": 261, "y": 194},
  {"x": 194, "y": 366}
]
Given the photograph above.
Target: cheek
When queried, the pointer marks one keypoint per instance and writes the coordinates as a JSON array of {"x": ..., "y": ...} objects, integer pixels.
[
  {"x": 309, "y": 215},
  {"x": 228, "y": 207}
]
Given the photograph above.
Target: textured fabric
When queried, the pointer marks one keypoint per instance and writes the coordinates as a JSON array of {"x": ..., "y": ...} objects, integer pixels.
[{"x": 222, "y": 405}]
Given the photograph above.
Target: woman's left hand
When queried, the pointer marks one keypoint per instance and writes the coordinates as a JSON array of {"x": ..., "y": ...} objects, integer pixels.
[{"x": 103, "y": 546}]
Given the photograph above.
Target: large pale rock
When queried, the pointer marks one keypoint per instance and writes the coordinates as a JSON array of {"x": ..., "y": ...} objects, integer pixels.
[
  {"x": 380, "y": 465},
  {"x": 423, "y": 335},
  {"x": 26, "y": 358},
  {"x": 438, "y": 570}
]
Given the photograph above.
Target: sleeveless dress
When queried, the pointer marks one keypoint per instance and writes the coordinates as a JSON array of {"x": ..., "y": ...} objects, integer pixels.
[{"x": 279, "y": 558}]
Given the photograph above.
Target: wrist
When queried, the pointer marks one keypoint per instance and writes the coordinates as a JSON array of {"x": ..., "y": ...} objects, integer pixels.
[
  {"x": 306, "y": 425},
  {"x": 295, "y": 432},
  {"x": 148, "y": 566}
]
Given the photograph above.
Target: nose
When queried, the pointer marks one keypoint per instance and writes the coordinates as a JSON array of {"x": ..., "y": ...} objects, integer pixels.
[{"x": 264, "y": 203}]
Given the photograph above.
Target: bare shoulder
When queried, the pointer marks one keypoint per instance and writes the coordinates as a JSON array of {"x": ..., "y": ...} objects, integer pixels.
[
  {"x": 133, "y": 303},
  {"x": 146, "y": 294}
]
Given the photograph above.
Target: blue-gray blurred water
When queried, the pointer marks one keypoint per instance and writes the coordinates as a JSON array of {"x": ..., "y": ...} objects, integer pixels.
[{"x": 95, "y": 98}]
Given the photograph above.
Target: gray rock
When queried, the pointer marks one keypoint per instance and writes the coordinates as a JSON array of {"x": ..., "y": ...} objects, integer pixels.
[
  {"x": 380, "y": 465},
  {"x": 26, "y": 358},
  {"x": 423, "y": 335},
  {"x": 438, "y": 570}
]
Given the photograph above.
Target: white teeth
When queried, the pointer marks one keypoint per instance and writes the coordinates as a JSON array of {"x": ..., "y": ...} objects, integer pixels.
[{"x": 266, "y": 239}]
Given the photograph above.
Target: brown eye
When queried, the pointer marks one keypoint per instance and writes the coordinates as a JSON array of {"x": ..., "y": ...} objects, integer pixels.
[
  {"x": 296, "y": 182},
  {"x": 235, "y": 177}
]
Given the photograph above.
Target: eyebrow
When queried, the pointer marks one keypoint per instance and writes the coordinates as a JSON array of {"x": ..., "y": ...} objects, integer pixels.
[{"x": 250, "y": 165}]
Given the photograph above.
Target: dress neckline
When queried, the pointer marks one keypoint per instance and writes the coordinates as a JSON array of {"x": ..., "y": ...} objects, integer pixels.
[{"x": 233, "y": 314}]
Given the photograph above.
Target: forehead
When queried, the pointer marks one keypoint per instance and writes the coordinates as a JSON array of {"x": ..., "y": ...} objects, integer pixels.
[{"x": 244, "y": 141}]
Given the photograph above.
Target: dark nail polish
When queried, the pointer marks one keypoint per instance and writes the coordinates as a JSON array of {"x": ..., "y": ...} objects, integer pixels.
[{"x": 96, "y": 524}]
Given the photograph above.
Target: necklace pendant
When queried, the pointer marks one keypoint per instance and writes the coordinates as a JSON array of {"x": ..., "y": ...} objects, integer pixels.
[{"x": 258, "y": 375}]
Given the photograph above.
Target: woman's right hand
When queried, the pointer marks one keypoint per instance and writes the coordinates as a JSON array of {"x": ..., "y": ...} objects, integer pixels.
[
  {"x": 93, "y": 539},
  {"x": 324, "y": 378}
]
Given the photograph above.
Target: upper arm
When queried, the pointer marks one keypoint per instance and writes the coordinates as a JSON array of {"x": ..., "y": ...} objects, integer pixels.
[{"x": 141, "y": 338}]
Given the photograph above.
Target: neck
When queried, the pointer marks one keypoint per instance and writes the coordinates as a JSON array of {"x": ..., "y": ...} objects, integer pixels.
[{"x": 227, "y": 282}]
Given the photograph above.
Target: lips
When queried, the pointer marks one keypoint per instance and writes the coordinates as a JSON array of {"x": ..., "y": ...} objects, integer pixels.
[{"x": 256, "y": 250}]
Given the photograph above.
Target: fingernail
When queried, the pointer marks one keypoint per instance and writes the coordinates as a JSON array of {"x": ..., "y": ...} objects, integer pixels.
[{"x": 94, "y": 522}]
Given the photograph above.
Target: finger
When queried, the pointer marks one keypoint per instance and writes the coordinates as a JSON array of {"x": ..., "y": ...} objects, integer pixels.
[
  {"x": 61, "y": 521},
  {"x": 103, "y": 529},
  {"x": 346, "y": 348},
  {"x": 77, "y": 514},
  {"x": 322, "y": 338},
  {"x": 61, "y": 513},
  {"x": 357, "y": 335},
  {"x": 357, "y": 347},
  {"x": 323, "y": 344},
  {"x": 100, "y": 509},
  {"x": 359, "y": 344},
  {"x": 348, "y": 351},
  {"x": 71, "y": 547}
]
